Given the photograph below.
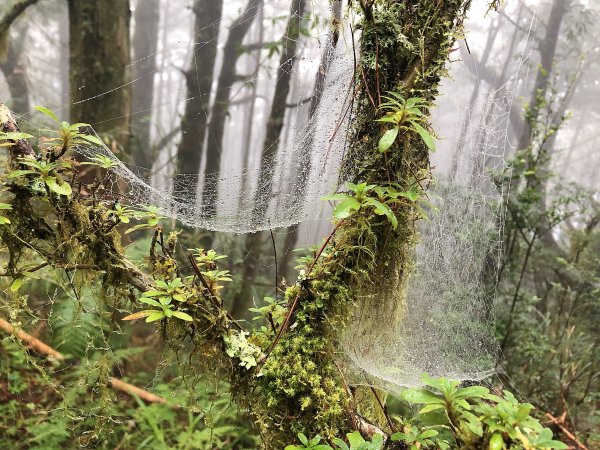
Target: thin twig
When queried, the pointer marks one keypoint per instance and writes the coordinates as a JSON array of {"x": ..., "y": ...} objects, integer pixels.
[
  {"x": 570, "y": 435},
  {"x": 45, "y": 350}
]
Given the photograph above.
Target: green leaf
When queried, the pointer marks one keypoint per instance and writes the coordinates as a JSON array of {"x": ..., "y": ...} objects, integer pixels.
[
  {"x": 496, "y": 442},
  {"x": 92, "y": 139},
  {"x": 20, "y": 173},
  {"x": 303, "y": 439},
  {"x": 60, "y": 189},
  {"x": 431, "y": 407},
  {"x": 341, "y": 444},
  {"x": 346, "y": 207},
  {"x": 168, "y": 312},
  {"x": 4, "y": 220},
  {"x": 47, "y": 112},
  {"x": 183, "y": 316},
  {"x": 16, "y": 284},
  {"x": 15, "y": 136},
  {"x": 425, "y": 135},
  {"x": 355, "y": 439},
  {"x": 153, "y": 293},
  {"x": 156, "y": 315},
  {"x": 388, "y": 119},
  {"x": 472, "y": 392},
  {"x": 314, "y": 441},
  {"x": 149, "y": 301},
  {"x": 5, "y": 205},
  {"x": 399, "y": 437},
  {"x": 333, "y": 197},
  {"x": 383, "y": 209},
  {"x": 421, "y": 396},
  {"x": 388, "y": 138},
  {"x": 428, "y": 434}
]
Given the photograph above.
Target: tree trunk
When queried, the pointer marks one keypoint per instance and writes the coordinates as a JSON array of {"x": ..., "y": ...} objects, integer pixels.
[
  {"x": 99, "y": 56},
  {"x": 199, "y": 79},
  {"x": 365, "y": 254},
  {"x": 291, "y": 239},
  {"x": 547, "y": 51},
  {"x": 145, "y": 43},
  {"x": 14, "y": 73},
  {"x": 227, "y": 78},
  {"x": 264, "y": 189},
  {"x": 63, "y": 42}
]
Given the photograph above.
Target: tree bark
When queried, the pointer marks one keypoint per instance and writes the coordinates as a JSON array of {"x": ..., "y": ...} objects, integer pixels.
[
  {"x": 145, "y": 42},
  {"x": 13, "y": 12},
  {"x": 227, "y": 78},
  {"x": 15, "y": 75},
  {"x": 264, "y": 190},
  {"x": 547, "y": 51},
  {"x": 99, "y": 56},
  {"x": 291, "y": 239},
  {"x": 199, "y": 79}
]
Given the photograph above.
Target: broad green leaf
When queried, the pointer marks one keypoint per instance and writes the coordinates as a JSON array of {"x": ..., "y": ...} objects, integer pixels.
[
  {"x": 383, "y": 209},
  {"x": 20, "y": 173},
  {"x": 15, "y": 136},
  {"x": 168, "y": 312},
  {"x": 181, "y": 297},
  {"x": 303, "y": 439},
  {"x": 314, "y": 441},
  {"x": 388, "y": 138},
  {"x": 333, "y": 197},
  {"x": 4, "y": 220},
  {"x": 149, "y": 301},
  {"x": 421, "y": 396},
  {"x": 496, "y": 442},
  {"x": 472, "y": 392},
  {"x": 355, "y": 439},
  {"x": 47, "y": 112},
  {"x": 92, "y": 139},
  {"x": 346, "y": 207},
  {"x": 60, "y": 189},
  {"x": 153, "y": 293},
  {"x": 425, "y": 135},
  {"x": 156, "y": 315},
  {"x": 428, "y": 434},
  {"x": 16, "y": 284},
  {"x": 431, "y": 407},
  {"x": 341, "y": 444}
]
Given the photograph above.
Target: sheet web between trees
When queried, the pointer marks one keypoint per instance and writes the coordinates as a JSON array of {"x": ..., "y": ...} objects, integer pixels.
[{"x": 442, "y": 323}]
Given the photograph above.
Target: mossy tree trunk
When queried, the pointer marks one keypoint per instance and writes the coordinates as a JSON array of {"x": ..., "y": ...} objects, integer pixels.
[
  {"x": 99, "y": 56},
  {"x": 404, "y": 48},
  {"x": 145, "y": 43}
]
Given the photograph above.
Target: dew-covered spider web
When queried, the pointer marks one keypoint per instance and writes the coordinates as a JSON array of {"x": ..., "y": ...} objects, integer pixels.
[
  {"x": 263, "y": 193},
  {"x": 442, "y": 321}
]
